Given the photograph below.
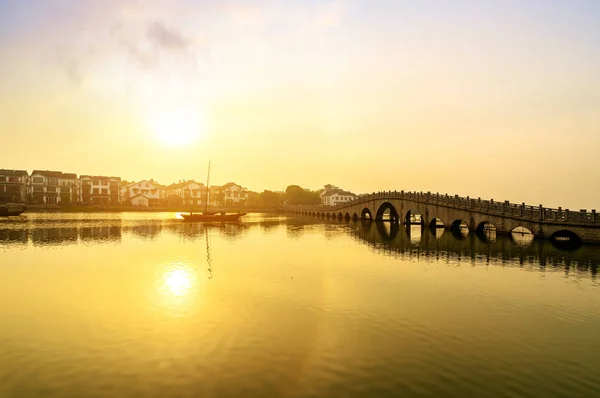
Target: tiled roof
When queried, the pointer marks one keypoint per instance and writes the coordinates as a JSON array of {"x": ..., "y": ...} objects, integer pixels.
[
  {"x": 340, "y": 192},
  {"x": 100, "y": 177},
  {"x": 47, "y": 173},
  {"x": 228, "y": 185},
  {"x": 183, "y": 184},
  {"x": 139, "y": 182},
  {"x": 13, "y": 173}
]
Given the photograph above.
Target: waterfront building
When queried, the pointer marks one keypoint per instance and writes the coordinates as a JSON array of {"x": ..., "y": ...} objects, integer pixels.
[
  {"x": 52, "y": 187},
  {"x": 13, "y": 186},
  {"x": 228, "y": 195},
  {"x": 140, "y": 200},
  {"x": 333, "y": 195},
  {"x": 68, "y": 188},
  {"x": 99, "y": 190},
  {"x": 148, "y": 189},
  {"x": 186, "y": 193}
]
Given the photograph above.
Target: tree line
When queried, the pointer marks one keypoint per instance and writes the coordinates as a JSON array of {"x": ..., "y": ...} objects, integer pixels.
[{"x": 293, "y": 195}]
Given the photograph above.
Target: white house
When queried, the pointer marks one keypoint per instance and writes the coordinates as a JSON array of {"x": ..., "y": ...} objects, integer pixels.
[
  {"x": 229, "y": 194},
  {"x": 149, "y": 189},
  {"x": 190, "y": 192},
  {"x": 139, "y": 200},
  {"x": 333, "y": 195}
]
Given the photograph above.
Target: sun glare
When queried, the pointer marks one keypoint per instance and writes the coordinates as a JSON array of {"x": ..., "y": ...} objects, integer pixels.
[
  {"x": 176, "y": 128},
  {"x": 178, "y": 281}
]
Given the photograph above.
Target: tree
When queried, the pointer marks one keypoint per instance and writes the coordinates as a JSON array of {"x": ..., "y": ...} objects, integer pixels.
[
  {"x": 296, "y": 195},
  {"x": 253, "y": 199},
  {"x": 270, "y": 199}
]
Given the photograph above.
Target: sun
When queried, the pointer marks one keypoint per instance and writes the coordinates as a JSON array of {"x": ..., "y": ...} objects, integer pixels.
[{"x": 176, "y": 128}]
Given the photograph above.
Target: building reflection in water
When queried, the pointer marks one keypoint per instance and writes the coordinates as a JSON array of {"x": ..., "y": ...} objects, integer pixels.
[
  {"x": 46, "y": 236},
  {"x": 14, "y": 236},
  {"x": 520, "y": 247},
  {"x": 149, "y": 230},
  {"x": 40, "y": 236},
  {"x": 100, "y": 233}
]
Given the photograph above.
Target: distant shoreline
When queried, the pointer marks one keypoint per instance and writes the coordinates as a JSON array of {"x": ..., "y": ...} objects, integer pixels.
[{"x": 127, "y": 209}]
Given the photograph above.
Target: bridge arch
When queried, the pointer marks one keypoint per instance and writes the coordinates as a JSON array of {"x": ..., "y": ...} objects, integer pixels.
[
  {"x": 354, "y": 217},
  {"x": 486, "y": 231},
  {"x": 328, "y": 215},
  {"x": 384, "y": 234},
  {"x": 322, "y": 214},
  {"x": 340, "y": 215},
  {"x": 413, "y": 217},
  {"x": 566, "y": 239},
  {"x": 347, "y": 217},
  {"x": 436, "y": 223},
  {"x": 459, "y": 229},
  {"x": 385, "y": 207},
  {"x": 365, "y": 214},
  {"x": 521, "y": 236}
]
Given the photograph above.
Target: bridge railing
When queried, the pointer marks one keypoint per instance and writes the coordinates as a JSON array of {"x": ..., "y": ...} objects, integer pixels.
[{"x": 528, "y": 212}]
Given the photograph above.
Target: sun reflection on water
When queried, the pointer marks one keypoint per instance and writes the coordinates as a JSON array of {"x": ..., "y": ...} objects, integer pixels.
[{"x": 178, "y": 282}]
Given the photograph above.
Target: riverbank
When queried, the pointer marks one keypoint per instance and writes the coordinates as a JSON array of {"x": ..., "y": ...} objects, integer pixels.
[{"x": 118, "y": 209}]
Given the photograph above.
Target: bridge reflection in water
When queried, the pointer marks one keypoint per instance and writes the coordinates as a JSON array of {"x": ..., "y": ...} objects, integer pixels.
[
  {"x": 484, "y": 246},
  {"x": 457, "y": 244}
]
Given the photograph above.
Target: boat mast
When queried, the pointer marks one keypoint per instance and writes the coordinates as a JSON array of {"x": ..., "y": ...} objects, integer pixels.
[{"x": 207, "y": 188}]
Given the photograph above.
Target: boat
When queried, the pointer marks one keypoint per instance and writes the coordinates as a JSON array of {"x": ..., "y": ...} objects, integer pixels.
[
  {"x": 211, "y": 216},
  {"x": 11, "y": 209},
  {"x": 218, "y": 217}
]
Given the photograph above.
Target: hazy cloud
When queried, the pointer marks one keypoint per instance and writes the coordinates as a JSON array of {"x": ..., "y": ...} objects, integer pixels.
[
  {"x": 166, "y": 38},
  {"x": 73, "y": 62},
  {"x": 154, "y": 43}
]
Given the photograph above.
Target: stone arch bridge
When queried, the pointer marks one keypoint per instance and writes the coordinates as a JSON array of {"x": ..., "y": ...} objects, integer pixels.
[{"x": 453, "y": 211}]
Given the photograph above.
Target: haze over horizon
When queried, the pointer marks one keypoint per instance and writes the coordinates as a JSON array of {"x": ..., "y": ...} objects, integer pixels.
[{"x": 498, "y": 100}]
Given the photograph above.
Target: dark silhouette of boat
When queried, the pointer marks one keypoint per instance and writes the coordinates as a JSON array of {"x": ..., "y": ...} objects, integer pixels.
[
  {"x": 208, "y": 216},
  {"x": 214, "y": 217},
  {"x": 11, "y": 209}
]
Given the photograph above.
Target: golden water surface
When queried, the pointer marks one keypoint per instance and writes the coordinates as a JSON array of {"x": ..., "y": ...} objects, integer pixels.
[{"x": 145, "y": 305}]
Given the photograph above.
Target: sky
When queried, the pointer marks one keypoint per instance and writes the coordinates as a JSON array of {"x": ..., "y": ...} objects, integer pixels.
[{"x": 495, "y": 99}]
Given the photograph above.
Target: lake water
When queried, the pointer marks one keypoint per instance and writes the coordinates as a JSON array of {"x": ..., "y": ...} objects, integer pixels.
[{"x": 144, "y": 305}]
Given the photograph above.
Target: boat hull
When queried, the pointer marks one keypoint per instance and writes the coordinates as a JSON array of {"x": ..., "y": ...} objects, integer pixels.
[
  {"x": 11, "y": 209},
  {"x": 213, "y": 217}
]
